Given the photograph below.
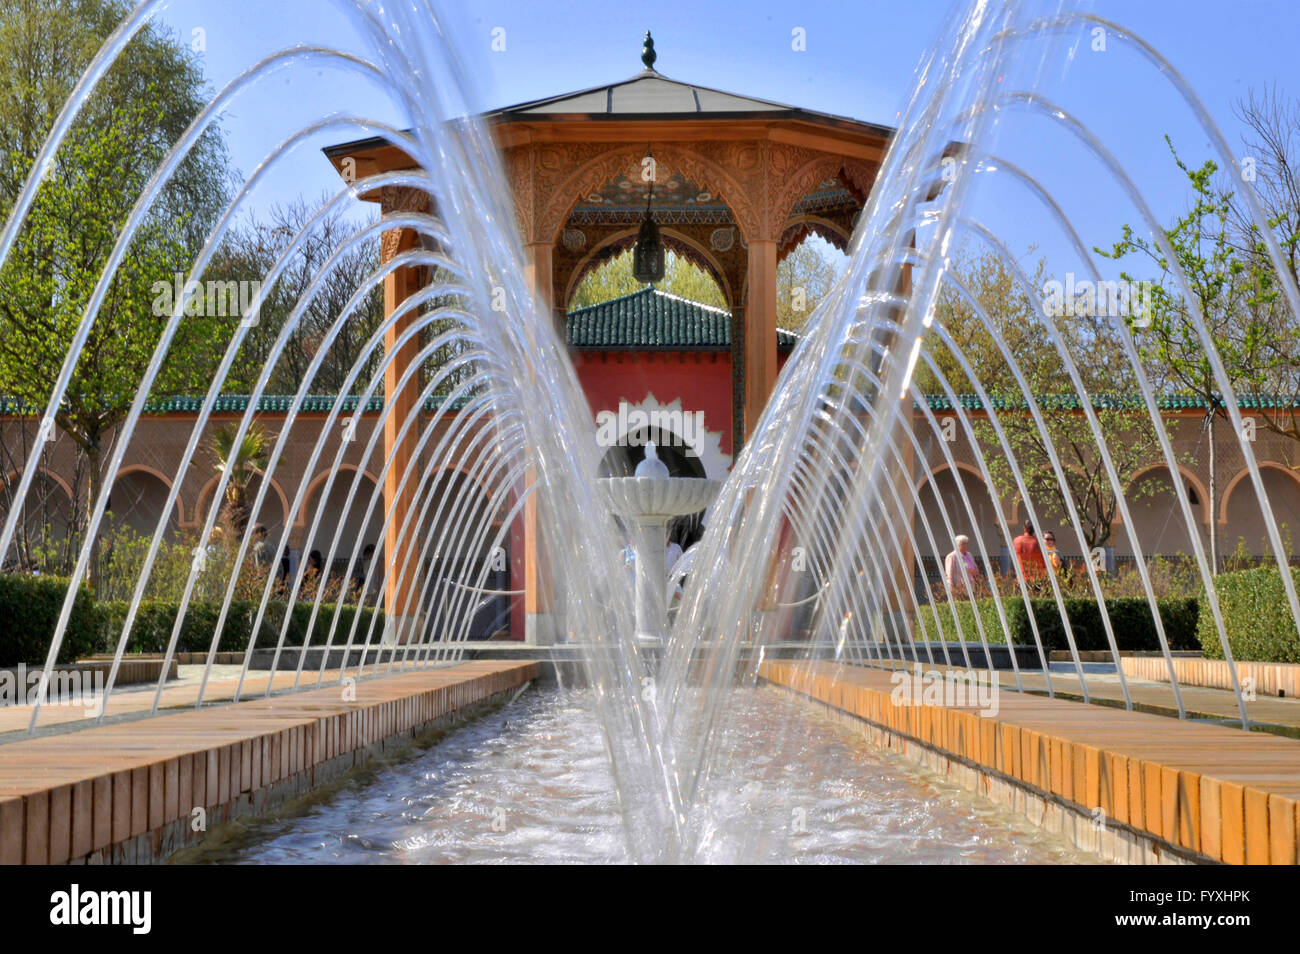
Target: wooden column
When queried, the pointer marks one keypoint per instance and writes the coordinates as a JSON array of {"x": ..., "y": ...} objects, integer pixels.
[
  {"x": 904, "y": 479},
  {"x": 540, "y": 624},
  {"x": 738, "y": 339},
  {"x": 539, "y": 271},
  {"x": 399, "y": 600},
  {"x": 760, "y": 330},
  {"x": 897, "y": 597}
]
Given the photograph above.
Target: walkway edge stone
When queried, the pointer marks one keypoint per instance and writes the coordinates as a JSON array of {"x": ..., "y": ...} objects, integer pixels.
[
  {"x": 135, "y": 792},
  {"x": 1129, "y": 786}
]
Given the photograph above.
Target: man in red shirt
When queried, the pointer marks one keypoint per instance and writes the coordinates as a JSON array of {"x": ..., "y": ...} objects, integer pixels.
[{"x": 1029, "y": 554}]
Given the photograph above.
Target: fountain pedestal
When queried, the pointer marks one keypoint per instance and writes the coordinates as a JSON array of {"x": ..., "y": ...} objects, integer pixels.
[{"x": 649, "y": 503}]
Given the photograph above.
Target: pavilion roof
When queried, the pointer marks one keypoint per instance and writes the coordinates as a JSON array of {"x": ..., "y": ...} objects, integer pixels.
[
  {"x": 651, "y": 95},
  {"x": 653, "y": 320},
  {"x": 648, "y": 95}
]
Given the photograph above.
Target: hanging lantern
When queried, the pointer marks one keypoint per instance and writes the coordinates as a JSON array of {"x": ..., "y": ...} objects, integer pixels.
[{"x": 648, "y": 253}]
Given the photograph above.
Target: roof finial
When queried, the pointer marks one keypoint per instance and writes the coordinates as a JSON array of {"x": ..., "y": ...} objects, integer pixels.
[{"x": 648, "y": 52}]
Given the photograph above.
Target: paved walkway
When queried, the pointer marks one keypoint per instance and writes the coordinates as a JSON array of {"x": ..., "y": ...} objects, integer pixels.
[
  {"x": 1208, "y": 789},
  {"x": 130, "y": 793},
  {"x": 136, "y": 701},
  {"x": 1158, "y": 697}
]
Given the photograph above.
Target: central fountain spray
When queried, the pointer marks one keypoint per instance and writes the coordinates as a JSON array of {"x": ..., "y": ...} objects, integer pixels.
[
  {"x": 650, "y": 499},
  {"x": 824, "y": 498}
]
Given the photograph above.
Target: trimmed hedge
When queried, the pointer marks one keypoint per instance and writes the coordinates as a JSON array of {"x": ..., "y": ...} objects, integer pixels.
[
  {"x": 29, "y": 613},
  {"x": 966, "y": 610},
  {"x": 154, "y": 622},
  {"x": 324, "y": 620},
  {"x": 1130, "y": 618},
  {"x": 30, "y": 606},
  {"x": 1256, "y": 617}
]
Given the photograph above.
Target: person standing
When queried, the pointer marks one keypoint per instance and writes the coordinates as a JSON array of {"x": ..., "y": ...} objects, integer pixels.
[
  {"x": 260, "y": 554},
  {"x": 1029, "y": 554},
  {"x": 959, "y": 569},
  {"x": 315, "y": 567},
  {"x": 1051, "y": 554}
]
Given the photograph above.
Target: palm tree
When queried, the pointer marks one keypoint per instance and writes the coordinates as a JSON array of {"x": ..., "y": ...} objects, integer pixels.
[{"x": 243, "y": 463}]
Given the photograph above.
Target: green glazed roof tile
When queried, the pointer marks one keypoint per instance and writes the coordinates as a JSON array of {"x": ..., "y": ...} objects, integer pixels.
[
  {"x": 653, "y": 320},
  {"x": 1072, "y": 402}
]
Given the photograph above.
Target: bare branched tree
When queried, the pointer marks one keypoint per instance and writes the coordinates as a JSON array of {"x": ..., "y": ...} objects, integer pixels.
[
  {"x": 1271, "y": 168},
  {"x": 252, "y": 252}
]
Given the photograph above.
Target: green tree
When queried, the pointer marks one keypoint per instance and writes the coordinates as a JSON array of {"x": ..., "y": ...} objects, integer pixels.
[
  {"x": 440, "y": 314},
  {"x": 130, "y": 121},
  {"x": 803, "y": 280},
  {"x": 249, "y": 254},
  {"x": 613, "y": 279},
  {"x": 242, "y": 462},
  {"x": 1092, "y": 341},
  {"x": 1014, "y": 316},
  {"x": 1227, "y": 287},
  {"x": 1271, "y": 143}
]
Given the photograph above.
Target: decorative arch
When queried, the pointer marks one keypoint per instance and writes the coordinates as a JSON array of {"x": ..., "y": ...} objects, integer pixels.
[
  {"x": 205, "y": 498},
  {"x": 934, "y": 472},
  {"x": 59, "y": 509},
  {"x": 49, "y": 475},
  {"x": 804, "y": 179},
  {"x": 800, "y": 226},
  {"x": 130, "y": 469},
  {"x": 1244, "y": 473},
  {"x": 596, "y": 171},
  {"x": 451, "y": 470},
  {"x": 857, "y": 177},
  {"x": 983, "y": 528},
  {"x": 300, "y": 518},
  {"x": 628, "y": 236},
  {"x": 1187, "y": 475},
  {"x": 938, "y": 468},
  {"x": 707, "y": 444}
]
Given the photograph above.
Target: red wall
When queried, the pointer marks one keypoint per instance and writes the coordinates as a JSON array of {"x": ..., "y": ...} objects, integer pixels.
[{"x": 702, "y": 379}]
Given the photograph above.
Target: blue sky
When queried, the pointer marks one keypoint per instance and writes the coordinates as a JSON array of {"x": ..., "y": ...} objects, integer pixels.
[{"x": 859, "y": 61}]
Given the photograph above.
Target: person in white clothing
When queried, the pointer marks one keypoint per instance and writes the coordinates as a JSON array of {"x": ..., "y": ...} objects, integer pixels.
[{"x": 959, "y": 568}]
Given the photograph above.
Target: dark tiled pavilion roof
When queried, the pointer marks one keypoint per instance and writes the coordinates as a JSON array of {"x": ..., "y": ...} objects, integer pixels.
[{"x": 653, "y": 320}]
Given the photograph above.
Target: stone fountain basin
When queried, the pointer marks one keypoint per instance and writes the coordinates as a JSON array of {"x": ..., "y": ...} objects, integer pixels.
[{"x": 643, "y": 498}]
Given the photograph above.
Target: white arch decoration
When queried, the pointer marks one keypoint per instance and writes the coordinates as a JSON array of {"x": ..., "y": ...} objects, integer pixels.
[{"x": 706, "y": 444}]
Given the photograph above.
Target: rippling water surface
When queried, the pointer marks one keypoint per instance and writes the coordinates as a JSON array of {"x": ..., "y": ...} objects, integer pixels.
[{"x": 530, "y": 782}]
